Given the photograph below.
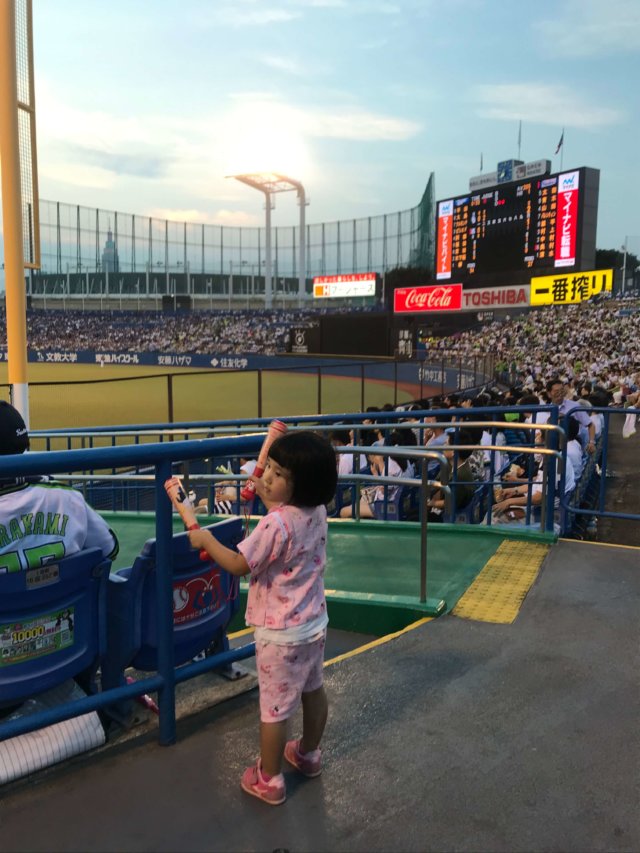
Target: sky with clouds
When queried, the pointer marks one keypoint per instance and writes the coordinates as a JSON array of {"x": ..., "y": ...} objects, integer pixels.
[{"x": 145, "y": 106}]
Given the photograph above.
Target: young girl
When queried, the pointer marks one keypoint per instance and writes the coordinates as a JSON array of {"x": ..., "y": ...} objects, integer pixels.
[{"x": 285, "y": 556}]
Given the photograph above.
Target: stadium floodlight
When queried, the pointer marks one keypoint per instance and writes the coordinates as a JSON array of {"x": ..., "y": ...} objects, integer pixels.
[{"x": 270, "y": 183}]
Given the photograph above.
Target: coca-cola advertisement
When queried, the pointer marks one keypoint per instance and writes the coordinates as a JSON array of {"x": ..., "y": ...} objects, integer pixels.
[{"x": 438, "y": 297}]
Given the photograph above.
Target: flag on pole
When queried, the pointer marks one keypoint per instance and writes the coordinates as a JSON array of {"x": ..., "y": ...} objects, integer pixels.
[
  {"x": 519, "y": 138},
  {"x": 560, "y": 141}
]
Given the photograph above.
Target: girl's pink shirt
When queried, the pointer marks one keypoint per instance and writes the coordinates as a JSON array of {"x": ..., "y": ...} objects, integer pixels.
[{"x": 286, "y": 554}]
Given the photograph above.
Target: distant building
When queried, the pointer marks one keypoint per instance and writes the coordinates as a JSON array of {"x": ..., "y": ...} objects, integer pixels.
[{"x": 110, "y": 261}]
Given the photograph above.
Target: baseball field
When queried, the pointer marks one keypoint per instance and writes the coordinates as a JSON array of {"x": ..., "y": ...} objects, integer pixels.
[{"x": 82, "y": 395}]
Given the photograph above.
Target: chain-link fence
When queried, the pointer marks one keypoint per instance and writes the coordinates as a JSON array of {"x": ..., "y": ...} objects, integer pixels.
[{"x": 93, "y": 253}]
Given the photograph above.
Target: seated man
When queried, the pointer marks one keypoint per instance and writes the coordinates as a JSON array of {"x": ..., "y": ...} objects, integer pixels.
[
  {"x": 511, "y": 503},
  {"x": 436, "y": 437},
  {"x": 42, "y": 520}
]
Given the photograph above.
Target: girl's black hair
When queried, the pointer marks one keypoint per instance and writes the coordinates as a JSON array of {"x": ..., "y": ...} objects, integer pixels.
[{"x": 312, "y": 462}]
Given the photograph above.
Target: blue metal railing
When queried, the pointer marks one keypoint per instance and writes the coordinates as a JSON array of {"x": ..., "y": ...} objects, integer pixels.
[
  {"x": 598, "y": 509},
  {"x": 160, "y": 456}
]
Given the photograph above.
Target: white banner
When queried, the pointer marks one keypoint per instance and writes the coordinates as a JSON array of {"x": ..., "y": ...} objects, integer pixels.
[{"x": 483, "y": 298}]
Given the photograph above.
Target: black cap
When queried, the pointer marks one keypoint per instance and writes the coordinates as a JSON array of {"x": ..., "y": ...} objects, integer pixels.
[{"x": 14, "y": 437}]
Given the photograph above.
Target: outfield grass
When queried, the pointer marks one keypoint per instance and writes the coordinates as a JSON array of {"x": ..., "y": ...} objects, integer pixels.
[{"x": 90, "y": 395}]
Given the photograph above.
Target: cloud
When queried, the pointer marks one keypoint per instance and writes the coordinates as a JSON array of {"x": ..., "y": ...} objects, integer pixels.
[
  {"x": 592, "y": 28},
  {"x": 147, "y": 161},
  {"x": 280, "y": 63},
  {"x": 264, "y": 111},
  {"x": 540, "y": 103},
  {"x": 63, "y": 170},
  {"x": 361, "y": 126},
  {"x": 143, "y": 165},
  {"x": 246, "y": 14},
  {"x": 220, "y": 217}
]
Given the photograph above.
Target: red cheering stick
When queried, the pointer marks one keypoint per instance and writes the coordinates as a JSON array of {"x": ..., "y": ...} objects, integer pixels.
[
  {"x": 145, "y": 699},
  {"x": 276, "y": 430},
  {"x": 183, "y": 505}
]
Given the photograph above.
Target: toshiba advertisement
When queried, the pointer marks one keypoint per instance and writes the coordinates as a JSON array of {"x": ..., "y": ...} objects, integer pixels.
[
  {"x": 451, "y": 297},
  {"x": 439, "y": 297}
]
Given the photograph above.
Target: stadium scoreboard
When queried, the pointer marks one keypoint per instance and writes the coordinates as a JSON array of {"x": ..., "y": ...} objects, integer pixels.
[{"x": 537, "y": 223}]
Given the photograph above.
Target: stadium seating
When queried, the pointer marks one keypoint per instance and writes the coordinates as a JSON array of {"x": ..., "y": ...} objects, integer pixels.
[
  {"x": 53, "y": 625},
  {"x": 389, "y": 510},
  {"x": 204, "y": 601},
  {"x": 475, "y": 511}
]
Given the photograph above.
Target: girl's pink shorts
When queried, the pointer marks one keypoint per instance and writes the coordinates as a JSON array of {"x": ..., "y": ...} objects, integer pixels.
[{"x": 284, "y": 674}]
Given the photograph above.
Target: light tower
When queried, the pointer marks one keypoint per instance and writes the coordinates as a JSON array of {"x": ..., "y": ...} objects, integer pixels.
[{"x": 270, "y": 183}]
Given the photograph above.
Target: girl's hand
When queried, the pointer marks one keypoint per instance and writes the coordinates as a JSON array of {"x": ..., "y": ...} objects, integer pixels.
[{"x": 200, "y": 539}]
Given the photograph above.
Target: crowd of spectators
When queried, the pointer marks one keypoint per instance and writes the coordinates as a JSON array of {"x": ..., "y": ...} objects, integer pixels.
[
  {"x": 579, "y": 358},
  {"x": 204, "y": 332},
  {"x": 585, "y": 355},
  {"x": 596, "y": 342}
]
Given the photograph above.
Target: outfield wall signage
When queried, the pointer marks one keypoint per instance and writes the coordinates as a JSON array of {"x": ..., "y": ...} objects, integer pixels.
[
  {"x": 495, "y": 297},
  {"x": 570, "y": 289},
  {"x": 344, "y": 286},
  {"x": 416, "y": 300}
]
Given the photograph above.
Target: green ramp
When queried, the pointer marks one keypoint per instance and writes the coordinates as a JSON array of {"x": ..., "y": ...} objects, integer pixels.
[{"x": 373, "y": 568}]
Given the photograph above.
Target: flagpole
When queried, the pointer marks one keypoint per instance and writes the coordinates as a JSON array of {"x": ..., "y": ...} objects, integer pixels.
[
  {"x": 560, "y": 148},
  {"x": 519, "y": 138}
]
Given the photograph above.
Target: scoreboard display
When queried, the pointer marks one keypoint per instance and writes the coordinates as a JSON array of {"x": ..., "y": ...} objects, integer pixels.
[{"x": 542, "y": 223}]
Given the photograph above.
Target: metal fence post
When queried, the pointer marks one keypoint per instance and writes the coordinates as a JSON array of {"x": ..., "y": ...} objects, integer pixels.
[
  {"x": 395, "y": 382},
  {"x": 164, "y": 616},
  {"x": 551, "y": 473},
  {"x": 423, "y": 532},
  {"x": 170, "y": 397}
]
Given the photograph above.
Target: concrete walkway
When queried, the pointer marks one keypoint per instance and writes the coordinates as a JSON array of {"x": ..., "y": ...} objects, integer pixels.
[{"x": 458, "y": 735}]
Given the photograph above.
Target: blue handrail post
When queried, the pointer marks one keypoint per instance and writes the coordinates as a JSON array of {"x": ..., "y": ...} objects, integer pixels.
[
  {"x": 603, "y": 461},
  {"x": 164, "y": 613},
  {"x": 551, "y": 472},
  {"x": 563, "y": 477}
]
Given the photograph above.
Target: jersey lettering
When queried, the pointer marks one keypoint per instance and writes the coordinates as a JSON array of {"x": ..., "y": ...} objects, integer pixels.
[
  {"x": 53, "y": 520},
  {"x": 33, "y": 557},
  {"x": 14, "y": 529},
  {"x": 33, "y": 527}
]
